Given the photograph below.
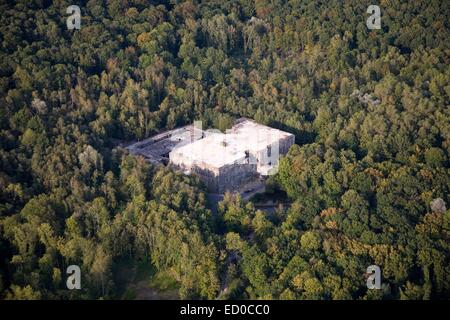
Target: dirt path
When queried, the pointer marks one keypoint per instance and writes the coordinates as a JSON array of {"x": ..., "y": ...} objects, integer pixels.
[{"x": 143, "y": 292}]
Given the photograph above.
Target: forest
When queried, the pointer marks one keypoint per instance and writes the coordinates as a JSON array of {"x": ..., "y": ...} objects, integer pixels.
[{"x": 367, "y": 180}]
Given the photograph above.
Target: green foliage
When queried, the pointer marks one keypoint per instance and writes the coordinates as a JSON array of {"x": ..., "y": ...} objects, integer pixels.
[
  {"x": 310, "y": 241},
  {"x": 369, "y": 110}
]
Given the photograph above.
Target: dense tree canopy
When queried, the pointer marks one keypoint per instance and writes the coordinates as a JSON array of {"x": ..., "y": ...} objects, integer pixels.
[{"x": 369, "y": 109}]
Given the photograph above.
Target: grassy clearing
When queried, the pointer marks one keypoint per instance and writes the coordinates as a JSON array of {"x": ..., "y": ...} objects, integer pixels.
[
  {"x": 141, "y": 280},
  {"x": 163, "y": 281}
]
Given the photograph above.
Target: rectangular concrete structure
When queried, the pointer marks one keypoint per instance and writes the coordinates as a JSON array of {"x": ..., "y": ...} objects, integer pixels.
[
  {"x": 156, "y": 149},
  {"x": 224, "y": 161}
]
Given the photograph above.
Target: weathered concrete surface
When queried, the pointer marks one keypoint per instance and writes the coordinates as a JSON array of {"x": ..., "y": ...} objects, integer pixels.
[{"x": 226, "y": 161}]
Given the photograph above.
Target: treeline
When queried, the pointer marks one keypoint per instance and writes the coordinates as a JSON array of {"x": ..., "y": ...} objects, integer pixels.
[
  {"x": 361, "y": 179},
  {"x": 140, "y": 213}
]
